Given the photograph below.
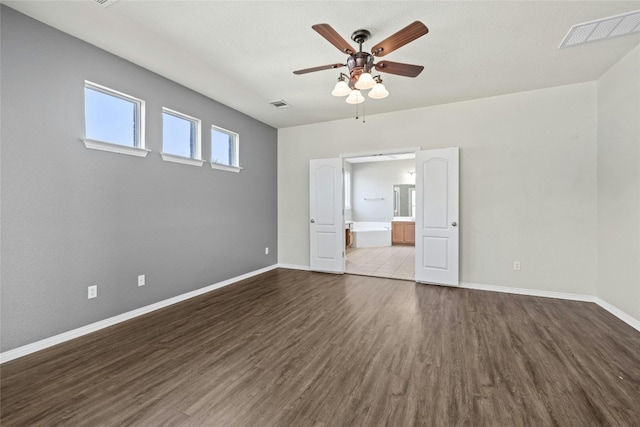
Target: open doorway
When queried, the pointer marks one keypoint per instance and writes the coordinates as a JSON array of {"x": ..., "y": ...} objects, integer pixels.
[
  {"x": 434, "y": 228},
  {"x": 379, "y": 207}
]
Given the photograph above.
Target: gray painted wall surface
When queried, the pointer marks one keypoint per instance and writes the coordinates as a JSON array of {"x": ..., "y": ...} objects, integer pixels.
[{"x": 73, "y": 217}]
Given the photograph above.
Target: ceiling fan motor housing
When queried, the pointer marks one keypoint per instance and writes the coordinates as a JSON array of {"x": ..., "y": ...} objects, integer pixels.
[{"x": 358, "y": 63}]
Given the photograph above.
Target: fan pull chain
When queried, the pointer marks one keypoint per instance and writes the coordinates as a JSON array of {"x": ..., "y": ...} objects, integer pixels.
[{"x": 363, "y": 113}]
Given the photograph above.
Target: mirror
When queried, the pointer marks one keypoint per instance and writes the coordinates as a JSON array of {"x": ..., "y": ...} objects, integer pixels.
[{"x": 404, "y": 200}]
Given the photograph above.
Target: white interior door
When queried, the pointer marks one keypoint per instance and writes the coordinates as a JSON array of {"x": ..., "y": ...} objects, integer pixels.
[
  {"x": 437, "y": 228},
  {"x": 326, "y": 222}
]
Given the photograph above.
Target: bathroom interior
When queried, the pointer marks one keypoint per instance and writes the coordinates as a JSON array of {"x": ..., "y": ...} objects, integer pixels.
[{"x": 380, "y": 216}]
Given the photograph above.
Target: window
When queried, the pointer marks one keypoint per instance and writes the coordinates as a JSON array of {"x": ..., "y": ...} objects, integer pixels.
[
  {"x": 180, "y": 138},
  {"x": 412, "y": 192},
  {"x": 224, "y": 149},
  {"x": 113, "y": 121},
  {"x": 347, "y": 190}
]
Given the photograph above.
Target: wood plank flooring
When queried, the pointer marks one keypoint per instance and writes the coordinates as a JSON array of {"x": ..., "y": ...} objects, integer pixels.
[{"x": 294, "y": 348}]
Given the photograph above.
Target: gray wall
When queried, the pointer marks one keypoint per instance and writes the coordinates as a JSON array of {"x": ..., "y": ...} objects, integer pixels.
[
  {"x": 619, "y": 185},
  {"x": 73, "y": 217}
]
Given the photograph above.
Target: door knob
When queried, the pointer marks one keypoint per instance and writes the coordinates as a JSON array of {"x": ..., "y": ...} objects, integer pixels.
[
  {"x": 454, "y": 223},
  {"x": 312, "y": 221}
]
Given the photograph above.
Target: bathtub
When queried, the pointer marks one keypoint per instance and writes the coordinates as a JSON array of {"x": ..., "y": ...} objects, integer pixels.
[{"x": 371, "y": 234}]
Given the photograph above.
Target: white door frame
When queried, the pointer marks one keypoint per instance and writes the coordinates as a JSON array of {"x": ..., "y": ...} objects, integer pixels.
[
  {"x": 419, "y": 207},
  {"x": 380, "y": 152}
]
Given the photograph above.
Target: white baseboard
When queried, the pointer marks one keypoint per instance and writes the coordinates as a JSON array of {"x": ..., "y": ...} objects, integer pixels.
[
  {"x": 93, "y": 327},
  {"x": 84, "y": 330},
  {"x": 530, "y": 292},
  {"x": 294, "y": 267},
  {"x": 631, "y": 321}
]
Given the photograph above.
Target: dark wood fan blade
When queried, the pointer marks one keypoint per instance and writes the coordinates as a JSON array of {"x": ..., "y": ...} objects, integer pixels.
[
  {"x": 332, "y": 36},
  {"x": 323, "y": 67},
  {"x": 399, "y": 69},
  {"x": 399, "y": 39}
]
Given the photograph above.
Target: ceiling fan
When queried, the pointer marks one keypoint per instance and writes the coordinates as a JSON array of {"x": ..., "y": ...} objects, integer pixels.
[{"x": 360, "y": 64}]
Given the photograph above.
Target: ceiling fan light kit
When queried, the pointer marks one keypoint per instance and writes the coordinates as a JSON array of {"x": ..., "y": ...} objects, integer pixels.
[
  {"x": 378, "y": 91},
  {"x": 341, "y": 88},
  {"x": 360, "y": 64},
  {"x": 355, "y": 97},
  {"x": 365, "y": 81}
]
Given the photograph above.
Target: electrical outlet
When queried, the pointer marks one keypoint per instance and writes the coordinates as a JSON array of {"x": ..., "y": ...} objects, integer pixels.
[
  {"x": 92, "y": 291},
  {"x": 516, "y": 265},
  {"x": 266, "y": 250},
  {"x": 141, "y": 280}
]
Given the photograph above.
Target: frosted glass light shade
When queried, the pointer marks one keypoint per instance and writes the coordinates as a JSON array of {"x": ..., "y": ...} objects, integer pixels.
[
  {"x": 341, "y": 89},
  {"x": 355, "y": 97},
  {"x": 378, "y": 91},
  {"x": 365, "y": 81}
]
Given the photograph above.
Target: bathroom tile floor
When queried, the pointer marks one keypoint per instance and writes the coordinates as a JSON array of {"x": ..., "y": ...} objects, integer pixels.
[{"x": 396, "y": 262}]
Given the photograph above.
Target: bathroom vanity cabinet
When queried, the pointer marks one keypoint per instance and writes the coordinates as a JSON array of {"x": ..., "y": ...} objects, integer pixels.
[
  {"x": 348, "y": 233},
  {"x": 348, "y": 237},
  {"x": 403, "y": 233}
]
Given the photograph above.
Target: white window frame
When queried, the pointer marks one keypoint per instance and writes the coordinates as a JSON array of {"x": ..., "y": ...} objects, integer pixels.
[
  {"x": 193, "y": 161},
  {"x": 236, "y": 150},
  {"x": 139, "y": 149},
  {"x": 347, "y": 189}
]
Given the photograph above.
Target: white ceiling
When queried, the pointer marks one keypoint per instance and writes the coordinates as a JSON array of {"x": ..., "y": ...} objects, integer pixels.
[{"x": 243, "y": 53}]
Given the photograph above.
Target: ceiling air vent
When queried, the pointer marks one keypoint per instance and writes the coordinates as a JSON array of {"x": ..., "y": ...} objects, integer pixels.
[
  {"x": 104, "y": 3},
  {"x": 280, "y": 104},
  {"x": 601, "y": 29}
]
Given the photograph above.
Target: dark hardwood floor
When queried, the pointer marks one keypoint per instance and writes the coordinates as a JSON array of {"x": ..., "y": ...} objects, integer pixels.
[{"x": 293, "y": 348}]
